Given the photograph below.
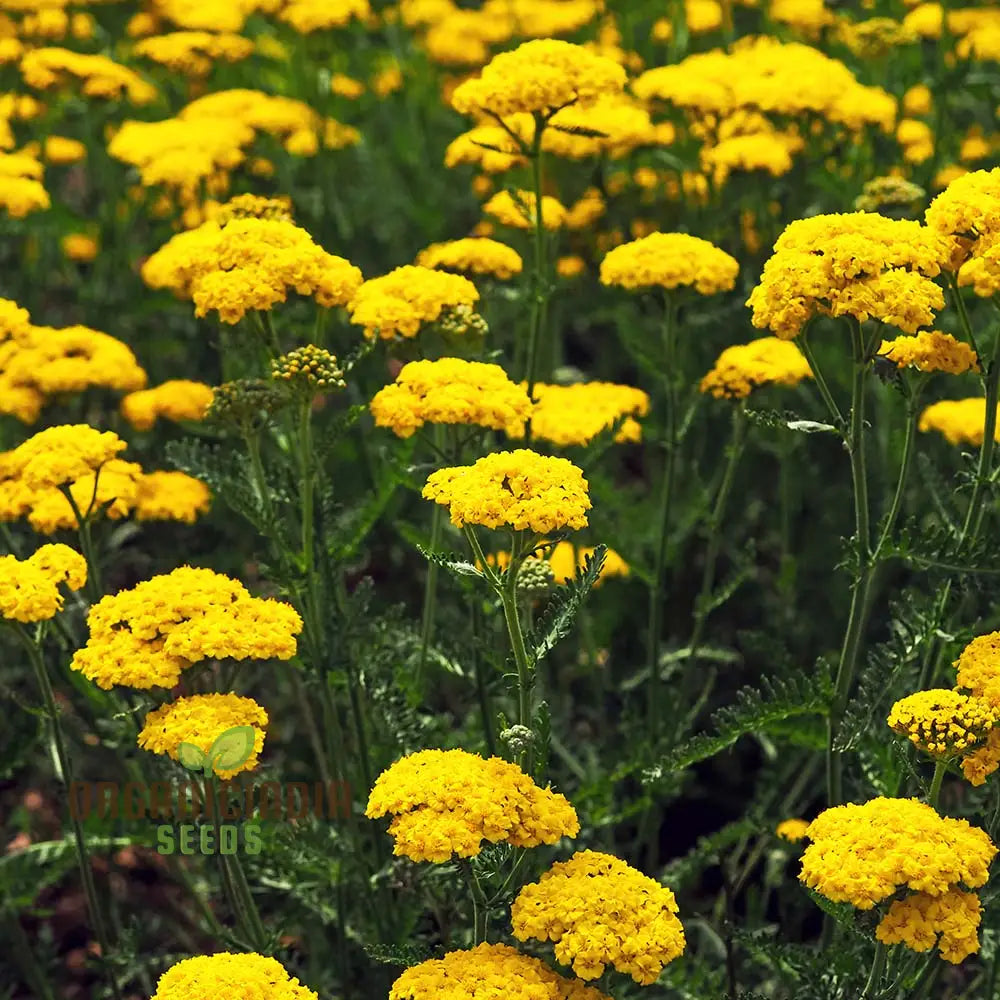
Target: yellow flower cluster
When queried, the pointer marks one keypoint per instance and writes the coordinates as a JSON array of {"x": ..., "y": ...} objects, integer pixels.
[
  {"x": 744, "y": 367},
  {"x": 569, "y": 415},
  {"x": 176, "y": 399},
  {"x": 249, "y": 264},
  {"x": 60, "y": 455},
  {"x": 670, "y": 260},
  {"x": 941, "y": 722},
  {"x": 622, "y": 123},
  {"x": 488, "y": 970},
  {"x": 520, "y": 489},
  {"x": 193, "y": 53},
  {"x": 917, "y": 140},
  {"x": 921, "y": 921},
  {"x": 961, "y": 421},
  {"x": 145, "y": 637},
  {"x": 21, "y": 189},
  {"x": 859, "y": 264},
  {"x": 212, "y": 15},
  {"x": 450, "y": 391},
  {"x": 792, "y": 830},
  {"x": 931, "y": 351},
  {"x": 862, "y": 854},
  {"x": 978, "y": 667},
  {"x": 767, "y": 149},
  {"x": 542, "y": 75},
  {"x": 447, "y": 802},
  {"x": 212, "y": 977},
  {"x": 475, "y": 255},
  {"x": 94, "y": 75},
  {"x": 766, "y": 75},
  {"x": 29, "y": 588},
  {"x": 15, "y": 321},
  {"x": 308, "y": 369},
  {"x": 875, "y": 37},
  {"x": 199, "y": 720},
  {"x": 307, "y": 16},
  {"x": 170, "y": 496},
  {"x": 43, "y": 362},
  {"x": 518, "y": 210},
  {"x": 600, "y": 911},
  {"x": 79, "y": 247},
  {"x": 403, "y": 300}
]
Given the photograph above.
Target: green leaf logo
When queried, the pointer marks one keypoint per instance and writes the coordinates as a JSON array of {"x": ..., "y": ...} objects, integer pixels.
[{"x": 231, "y": 748}]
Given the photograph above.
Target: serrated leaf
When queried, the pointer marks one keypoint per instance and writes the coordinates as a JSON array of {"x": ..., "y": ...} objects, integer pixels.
[
  {"x": 232, "y": 748},
  {"x": 191, "y": 756}
]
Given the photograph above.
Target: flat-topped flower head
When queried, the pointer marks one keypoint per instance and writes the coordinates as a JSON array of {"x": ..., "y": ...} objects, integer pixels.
[
  {"x": 931, "y": 351},
  {"x": 145, "y": 637},
  {"x": 447, "y": 802},
  {"x": 61, "y": 454},
  {"x": 792, "y": 830},
  {"x": 600, "y": 911},
  {"x": 219, "y": 976},
  {"x": 199, "y": 720},
  {"x": 517, "y": 210},
  {"x": 670, "y": 260},
  {"x": 943, "y": 723},
  {"x": 961, "y": 421},
  {"x": 742, "y": 368},
  {"x": 542, "y": 76},
  {"x": 194, "y": 53},
  {"x": 858, "y": 264},
  {"x": 921, "y": 921},
  {"x": 475, "y": 255},
  {"x": 969, "y": 207},
  {"x": 29, "y": 588},
  {"x": 518, "y": 489},
  {"x": 485, "y": 972},
  {"x": 176, "y": 399},
  {"x": 863, "y": 854},
  {"x": 171, "y": 495},
  {"x": 91, "y": 75},
  {"x": 450, "y": 391},
  {"x": 404, "y": 300}
]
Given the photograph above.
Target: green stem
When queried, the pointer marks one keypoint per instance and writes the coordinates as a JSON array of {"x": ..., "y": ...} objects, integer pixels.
[
  {"x": 431, "y": 582},
  {"x": 482, "y": 686},
  {"x": 22, "y": 953},
  {"x": 875, "y": 976},
  {"x": 904, "y": 471},
  {"x": 539, "y": 291},
  {"x": 79, "y": 841},
  {"x": 83, "y": 524},
  {"x": 940, "y": 767},
  {"x": 669, "y": 335},
  {"x": 480, "y": 908},
  {"x": 820, "y": 380}
]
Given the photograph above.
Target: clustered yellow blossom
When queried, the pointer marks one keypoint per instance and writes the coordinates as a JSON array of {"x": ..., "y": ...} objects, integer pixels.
[
  {"x": 941, "y": 722},
  {"x": 518, "y": 210},
  {"x": 863, "y": 854},
  {"x": 210, "y": 977},
  {"x": 15, "y": 321},
  {"x": 21, "y": 189},
  {"x": 961, "y": 421},
  {"x": 542, "y": 75},
  {"x": 307, "y": 16},
  {"x": 451, "y": 391},
  {"x": 858, "y": 264},
  {"x": 199, "y": 720},
  {"x": 670, "y": 260},
  {"x": 42, "y": 362},
  {"x": 875, "y": 37},
  {"x": 193, "y": 53},
  {"x": 176, "y": 399},
  {"x": 599, "y": 911},
  {"x": 921, "y": 921},
  {"x": 94, "y": 75},
  {"x": 145, "y": 637},
  {"x": 567, "y": 415},
  {"x": 978, "y": 668},
  {"x": 488, "y": 970},
  {"x": 405, "y": 299},
  {"x": 61, "y": 454},
  {"x": 171, "y": 496},
  {"x": 917, "y": 140},
  {"x": 474, "y": 255},
  {"x": 79, "y": 247},
  {"x": 792, "y": 830},
  {"x": 744, "y": 367},
  {"x": 764, "y": 149},
  {"x": 29, "y": 588},
  {"x": 447, "y": 802},
  {"x": 249, "y": 264},
  {"x": 520, "y": 489},
  {"x": 931, "y": 351}
]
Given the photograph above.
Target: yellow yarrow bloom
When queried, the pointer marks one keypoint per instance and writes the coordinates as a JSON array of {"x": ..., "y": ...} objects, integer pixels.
[
  {"x": 568, "y": 415},
  {"x": 29, "y": 588},
  {"x": 113, "y": 489},
  {"x": 145, "y": 637},
  {"x": 59, "y": 150},
  {"x": 518, "y": 210},
  {"x": 931, "y": 351},
  {"x": 520, "y": 489},
  {"x": 307, "y": 16},
  {"x": 742, "y": 368},
  {"x": 91, "y": 75},
  {"x": 450, "y": 391},
  {"x": 961, "y": 421},
  {"x": 488, "y": 970},
  {"x": 211, "y": 977},
  {"x": 474, "y": 255},
  {"x": 599, "y": 911},
  {"x": 447, "y": 802},
  {"x": 969, "y": 209},
  {"x": 922, "y": 921},
  {"x": 918, "y": 100},
  {"x": 943, "y": 723},
  {"x": 21, "y": 189},
  {"x": 171, "y": 496},
  {"x": 79, "y": 247},
  {"x": 199, "y": 720},
  {"x": 177, "y": 399},
  {"x": 862, "y": 854},
  {"x": 539, "y": 76},
  {"x": 405, "y": 299},
  {"x": 15, "y": 321},
  {"x": 792, "y": 830},
  {"x": 670, "y": 260},
  {"x": 194, "y": 53},
  {"x": 61, "y": 454}
]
